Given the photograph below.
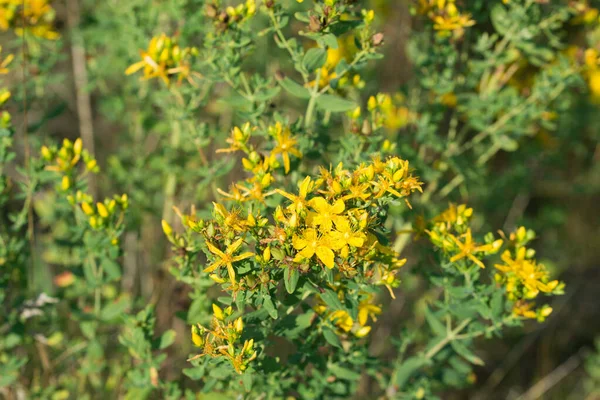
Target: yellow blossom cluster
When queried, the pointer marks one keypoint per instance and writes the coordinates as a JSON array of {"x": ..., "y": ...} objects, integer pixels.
[
  {"x": 65, "y": 159},
  {"x": 329, "y": 222},
  {"x": 592, "y": 72},
  {"x": 327, "y": 73},
  {"x": 446, "y": 17},
  {"x": 31, "y": 16},
  {"x": 4, "y": 63},
  {"x": 106, "y": 215},
  {"x": 524, "y": 278},
  {"x": 451, "y": 232},
  {"x": 242, "y": 11},
  {"x": 260, "y": 165},
  {"x": 103, "y": 212},
  {"x": 223, "y": 339},
  {"x": 584, "y": 13},
  {"x": 383, "y": 110},
  {"x": 341, "y": 319},
  {"x": 333, "y": 217},
  {"x": 164, "y": 59}
]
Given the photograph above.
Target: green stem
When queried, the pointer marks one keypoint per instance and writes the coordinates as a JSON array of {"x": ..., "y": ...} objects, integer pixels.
[
  {"x": 286, "y": 45},
  {"x": 98, "y": 272},
  {"x": 312, "y": 102},
  {"x": 452, "y": 335},
  {"x": 171, "y": 182}
]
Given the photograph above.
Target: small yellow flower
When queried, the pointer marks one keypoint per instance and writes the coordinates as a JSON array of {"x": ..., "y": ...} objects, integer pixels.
[
  {"x": 87, "y": 209},
  {"x": 227, "y": 258},
  {"x": 325, "y": 214},
  {"x": 285, "y": 144},
  {"x": 65, "y": 183},
  {"x": 345, "y": 236},
  {"x": 310, "y": 243},
  {"x": 102, "y": 211},
  {"x": 468, "y": 248}
]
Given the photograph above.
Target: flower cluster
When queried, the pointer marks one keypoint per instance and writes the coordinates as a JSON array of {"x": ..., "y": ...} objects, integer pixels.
[
  {"x": 100, "y": 215},
  {"x": 223, "y": 339},
  {"x": 338, "y": 57},
  {"x": 263, "y": 165},
  {"x": 224, "y": 19},
  {"x": 584, "y": 13},
  {"x": 524, "y": 278},
  {"x": 446, "y": 17},
  {"x": 164, "y": 59},
  {"x": 34, "y": 16},
  {"x": 341, "y": 319},
  {"x": 65, "y": 160},
  {"x": 592, "y": 72},
  {"x": 451, "y": 233},
  {"x": 4, "y": 63},
  {"x": 329, "y": 222},
  {"x": 383, "y": 111}
]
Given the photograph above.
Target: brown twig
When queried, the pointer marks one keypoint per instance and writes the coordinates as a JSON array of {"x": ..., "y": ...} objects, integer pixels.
[
  {"x": 80, "y": 77},
  {"x": 554, "y": 377}
]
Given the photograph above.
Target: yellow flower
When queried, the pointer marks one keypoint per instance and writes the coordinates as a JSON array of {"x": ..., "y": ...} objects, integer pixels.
[
  {"x": 532, "y": 275},
  {"x": 342, "y": 320},
  {"x": 285, "y": 145},
  {"x": 367, "y": 310},
  {"x": 164, "y": 58},
  {"x": 345, "y": 236},
  {"x": 455, "y": 215},
  {"x": 325, "y": 214},
  {"x": 468, "y": 248},
  {"x": 230, "y": 219},
  {"x": 4, "y": 63},
  {"x": 239, "y": 138},
  {"x": 310, "y": 243},
  {"x": 299, "y": 202},
  {"x": 227, "y": 258}
]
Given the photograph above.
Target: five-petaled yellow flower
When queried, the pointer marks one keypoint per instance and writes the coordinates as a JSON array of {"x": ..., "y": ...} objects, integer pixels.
[
  {"x": 468, "y": 248},
  {"x": 344, "y": 236},
  {"x": 227, "y": 258},
  {"x": 285, "y": 145},
  {"x": 311, "y": 243},
  {"x": 325, "y": 214},
  {"x": 299, "y": 202}
]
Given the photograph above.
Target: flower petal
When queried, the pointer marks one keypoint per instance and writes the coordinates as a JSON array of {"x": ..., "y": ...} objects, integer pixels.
[{"x": 326, "y": 255}]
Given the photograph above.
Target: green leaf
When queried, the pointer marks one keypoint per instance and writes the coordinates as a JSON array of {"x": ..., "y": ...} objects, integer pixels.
[
  {"x": 330, "y": 41},
  {"x": 314, "y": 58},
  {"x": 167, "y": 339},
  {"x": 407, "y": 369},
  {"x": 247, "y": 380},
  {"x": 269, "y": 306},
  {"x": 331, "y": 300},
  {"x": 290, "y": 278},
  {"x": 294, "y": 88},
  {"x": 497, "y": 304},
  {"x": 331, "y": 338},
  {"x": 114, "y": 309},
  {"x": 464, "y": 352},
  {"x": 499, "y": 18},
  {"x": 343, "y": 373},
  {"x": 302, "y": 16},
  {"x": 434, "y": 323},
  {"x": 194, "y": 373},
  {"x": 113, "y": 270},
  {"x": 329, "y": 102}
]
